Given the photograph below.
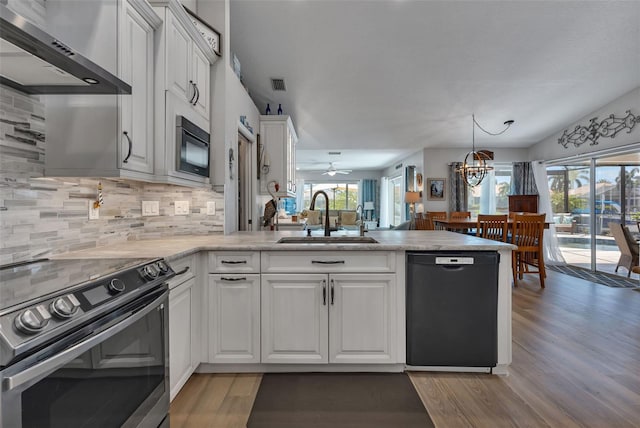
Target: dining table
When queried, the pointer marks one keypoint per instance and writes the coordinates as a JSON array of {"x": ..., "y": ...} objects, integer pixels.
[{"x": 464, "y": 224}]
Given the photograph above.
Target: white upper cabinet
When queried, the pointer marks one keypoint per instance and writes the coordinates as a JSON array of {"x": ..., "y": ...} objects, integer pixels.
[
  {"x": 136, "y": 67},
  {"x": 278, "y": 139},
  {"x": 188, "y": 62},
  {"x": 183, "y": 82},
  {"x": 106, "y": 135}
]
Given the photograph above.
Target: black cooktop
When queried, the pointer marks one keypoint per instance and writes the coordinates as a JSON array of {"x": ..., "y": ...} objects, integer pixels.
[{"x": 21, "y": 283}]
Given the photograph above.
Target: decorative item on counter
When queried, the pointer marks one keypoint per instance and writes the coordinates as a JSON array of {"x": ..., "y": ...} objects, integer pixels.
[
  {"x": 279, "y": 109},
  {"x": 271, "y": 206},
  {"x": 100, "y": 201},
  {"x": 268, "y": 110}
]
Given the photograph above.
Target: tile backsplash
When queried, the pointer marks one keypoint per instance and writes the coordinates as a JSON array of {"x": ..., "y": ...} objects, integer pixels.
[{"x": 40, "y": 216}]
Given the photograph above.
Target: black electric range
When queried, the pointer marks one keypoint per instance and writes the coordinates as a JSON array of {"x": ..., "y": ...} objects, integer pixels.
[{"x": 45, "y": 299}]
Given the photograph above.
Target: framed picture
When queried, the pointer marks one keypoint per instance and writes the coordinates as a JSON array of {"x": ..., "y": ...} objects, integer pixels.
[
  {"x": 436, "y": 189},
  {"x": 211, "y": 36}
]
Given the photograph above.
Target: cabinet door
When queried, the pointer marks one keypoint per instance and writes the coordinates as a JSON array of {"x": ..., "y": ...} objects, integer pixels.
[
  {"x": 178, "y": 65},
  {"x": 234, "y": 318},
  {"x": 362, "y": 318},
  {"x": 294, "y": 318},
  {"x": 136, "y": 116},
  {"x": 201, "y": 74},
  {"x": 180, "y": 337}
]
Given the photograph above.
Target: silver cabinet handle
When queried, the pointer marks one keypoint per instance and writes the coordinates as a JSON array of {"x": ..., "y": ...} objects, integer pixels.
[
  {"x": 327, "y": 262},
  {"x": 233, "y": 262},
  {"x": 126, "y": 159},
  {"x": 224, "y": 278},
  {"x": 332, "y": 292},
  {"x": 324, "y": 292}
]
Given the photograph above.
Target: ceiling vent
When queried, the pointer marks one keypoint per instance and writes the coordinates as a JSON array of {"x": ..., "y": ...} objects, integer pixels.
[
  {"x": 278, "y": 84},
  {"x": 335, "y": 153}
]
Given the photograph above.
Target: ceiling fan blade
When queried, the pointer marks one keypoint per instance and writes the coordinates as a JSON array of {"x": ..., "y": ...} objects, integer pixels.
[{"x": 343, "y": 172}]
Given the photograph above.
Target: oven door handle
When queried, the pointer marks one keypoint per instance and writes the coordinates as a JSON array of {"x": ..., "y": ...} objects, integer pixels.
[{"x": 50, "y": 365}]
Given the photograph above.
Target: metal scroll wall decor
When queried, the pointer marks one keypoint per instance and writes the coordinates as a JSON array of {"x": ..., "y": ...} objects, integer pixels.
[{"x": 609, "y": 127}]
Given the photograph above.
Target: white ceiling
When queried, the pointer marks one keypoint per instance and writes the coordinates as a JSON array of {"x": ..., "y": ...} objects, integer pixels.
[{"x": 379, "y": 80}]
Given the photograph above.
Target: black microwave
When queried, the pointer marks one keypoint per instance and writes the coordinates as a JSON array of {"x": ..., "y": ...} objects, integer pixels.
[{"x": 193, "y": 147}]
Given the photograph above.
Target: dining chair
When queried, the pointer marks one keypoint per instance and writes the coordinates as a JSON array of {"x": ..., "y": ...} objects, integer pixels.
[
  {"x": 627, "y": 245},
  {"x": 437, "y": 215},
  {"x": 424, "y": 223},
  {"x": 527, "y": 236},
  {"x": 493, "y": 226},
  {"x": 458, "y": 215},
  {"x": 418, "y": 215}
]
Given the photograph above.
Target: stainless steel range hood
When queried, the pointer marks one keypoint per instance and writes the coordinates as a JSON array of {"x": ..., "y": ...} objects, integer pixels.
[{"x": 35, "y": 62}]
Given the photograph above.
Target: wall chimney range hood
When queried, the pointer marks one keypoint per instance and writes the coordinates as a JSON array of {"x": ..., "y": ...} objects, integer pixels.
[{"x": 35, "y": 62}]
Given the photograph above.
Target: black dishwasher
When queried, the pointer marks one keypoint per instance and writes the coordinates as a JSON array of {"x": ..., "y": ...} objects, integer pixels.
[{"x": 452, "y": 305}]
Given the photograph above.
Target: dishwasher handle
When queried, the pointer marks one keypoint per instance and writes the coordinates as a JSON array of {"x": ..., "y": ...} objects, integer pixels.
[{"x": 454, "y": 260}]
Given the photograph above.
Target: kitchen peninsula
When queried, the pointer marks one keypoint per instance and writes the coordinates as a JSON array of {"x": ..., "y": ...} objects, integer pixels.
[{"x": 258, "y": 305}]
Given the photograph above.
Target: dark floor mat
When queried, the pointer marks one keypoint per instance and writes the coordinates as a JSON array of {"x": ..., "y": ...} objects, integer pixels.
[
  {"x": 608, "y": 279},
  {"x": 337, "y": 400}
]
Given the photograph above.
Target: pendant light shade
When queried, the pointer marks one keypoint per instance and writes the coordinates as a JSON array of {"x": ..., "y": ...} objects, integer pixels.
[{"x": 474, "y": 168}]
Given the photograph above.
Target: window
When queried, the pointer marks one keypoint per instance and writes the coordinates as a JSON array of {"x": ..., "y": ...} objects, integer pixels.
[
  {"x": 342, "y": 196},
  {"x": 397, "y": 201},
  {"x": 492, "y": 195}
]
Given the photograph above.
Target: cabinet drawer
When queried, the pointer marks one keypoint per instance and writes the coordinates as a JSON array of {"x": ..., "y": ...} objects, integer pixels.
[
  {"x": 328, "y": 261},
  {"x": 179, "y": 265},
  {"x": 234, "y": 262}
]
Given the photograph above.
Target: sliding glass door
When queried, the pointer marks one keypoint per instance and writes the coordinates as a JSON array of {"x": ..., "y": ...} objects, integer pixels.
[{"x": 588, "y": 196}]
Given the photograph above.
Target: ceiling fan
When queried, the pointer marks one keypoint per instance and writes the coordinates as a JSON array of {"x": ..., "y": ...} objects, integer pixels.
[{"x": 331, "y": 171}]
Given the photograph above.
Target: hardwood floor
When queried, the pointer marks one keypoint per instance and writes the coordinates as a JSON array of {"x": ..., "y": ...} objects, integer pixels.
[{"x": 576, "y": 362}]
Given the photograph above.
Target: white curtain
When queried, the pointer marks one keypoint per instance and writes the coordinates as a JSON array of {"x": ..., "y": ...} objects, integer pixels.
[{"x": 552, "y": 253}]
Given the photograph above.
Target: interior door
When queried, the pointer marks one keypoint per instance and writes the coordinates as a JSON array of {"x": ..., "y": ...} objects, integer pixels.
[{"x": 245, "y": 160}]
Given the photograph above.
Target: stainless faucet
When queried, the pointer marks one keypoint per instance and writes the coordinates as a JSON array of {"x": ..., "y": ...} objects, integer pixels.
[{"x": 327, "y": 231}]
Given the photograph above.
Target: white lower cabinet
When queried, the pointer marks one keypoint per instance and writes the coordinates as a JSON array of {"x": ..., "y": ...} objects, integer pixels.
[
  {"x": 328, "y": 318},
  {"x": 181, "y": 340},
  {"x": 185, "y": 332},
  {"x": 234, "y": 318}
]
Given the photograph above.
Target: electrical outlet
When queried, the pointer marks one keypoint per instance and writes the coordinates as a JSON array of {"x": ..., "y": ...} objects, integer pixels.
[
  {"x": 94, "y": 213},
  {"x": 150, "y": 208},
  {"x": 211, "y": 208},
  {"x": 182, "y": 207}
]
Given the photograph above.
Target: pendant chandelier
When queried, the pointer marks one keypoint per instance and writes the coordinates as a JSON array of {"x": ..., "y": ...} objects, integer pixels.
[{"x": 474, "y": 168}]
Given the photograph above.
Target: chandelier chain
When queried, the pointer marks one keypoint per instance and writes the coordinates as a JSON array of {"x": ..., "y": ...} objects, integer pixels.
[{"x": 508, "y": 124}]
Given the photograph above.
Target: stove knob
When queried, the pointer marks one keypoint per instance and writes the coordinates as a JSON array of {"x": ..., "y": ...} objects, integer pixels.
[
  {"x": 65, "y": 307},
  {"x": 162, "y": 266},
  {"x": 32, "y": 321},
  {"x": 116, "y": 286},
  {"x": 149, "y": 272}
]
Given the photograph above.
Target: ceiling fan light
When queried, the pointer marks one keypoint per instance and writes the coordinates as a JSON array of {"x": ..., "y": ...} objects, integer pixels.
[{"x": 331, "y": 173}]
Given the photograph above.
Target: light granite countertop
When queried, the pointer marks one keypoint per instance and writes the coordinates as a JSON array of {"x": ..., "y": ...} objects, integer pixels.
[{"x": 388, "y": 240}]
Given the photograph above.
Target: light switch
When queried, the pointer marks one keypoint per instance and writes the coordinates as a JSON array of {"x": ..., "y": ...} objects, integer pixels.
[
  {"x": 182, "y": 207},
  {"x": 150, "y": 208},
  {"x": 94, "y": 213},
  {"x": 211, "y": 208}
]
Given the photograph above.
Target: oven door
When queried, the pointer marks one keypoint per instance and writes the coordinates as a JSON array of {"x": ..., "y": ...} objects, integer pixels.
[{"x": 116, "y": 375}]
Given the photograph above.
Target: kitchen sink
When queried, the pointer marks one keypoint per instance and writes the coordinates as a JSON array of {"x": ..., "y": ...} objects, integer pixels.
[{"x": 327, "y": 240}]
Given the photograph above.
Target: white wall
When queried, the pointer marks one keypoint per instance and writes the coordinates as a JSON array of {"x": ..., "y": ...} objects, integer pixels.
[
  {"x": 229, "y": 101},
  {"x": 549, "y": 149},
  {"x": 436, "y": 165}
]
